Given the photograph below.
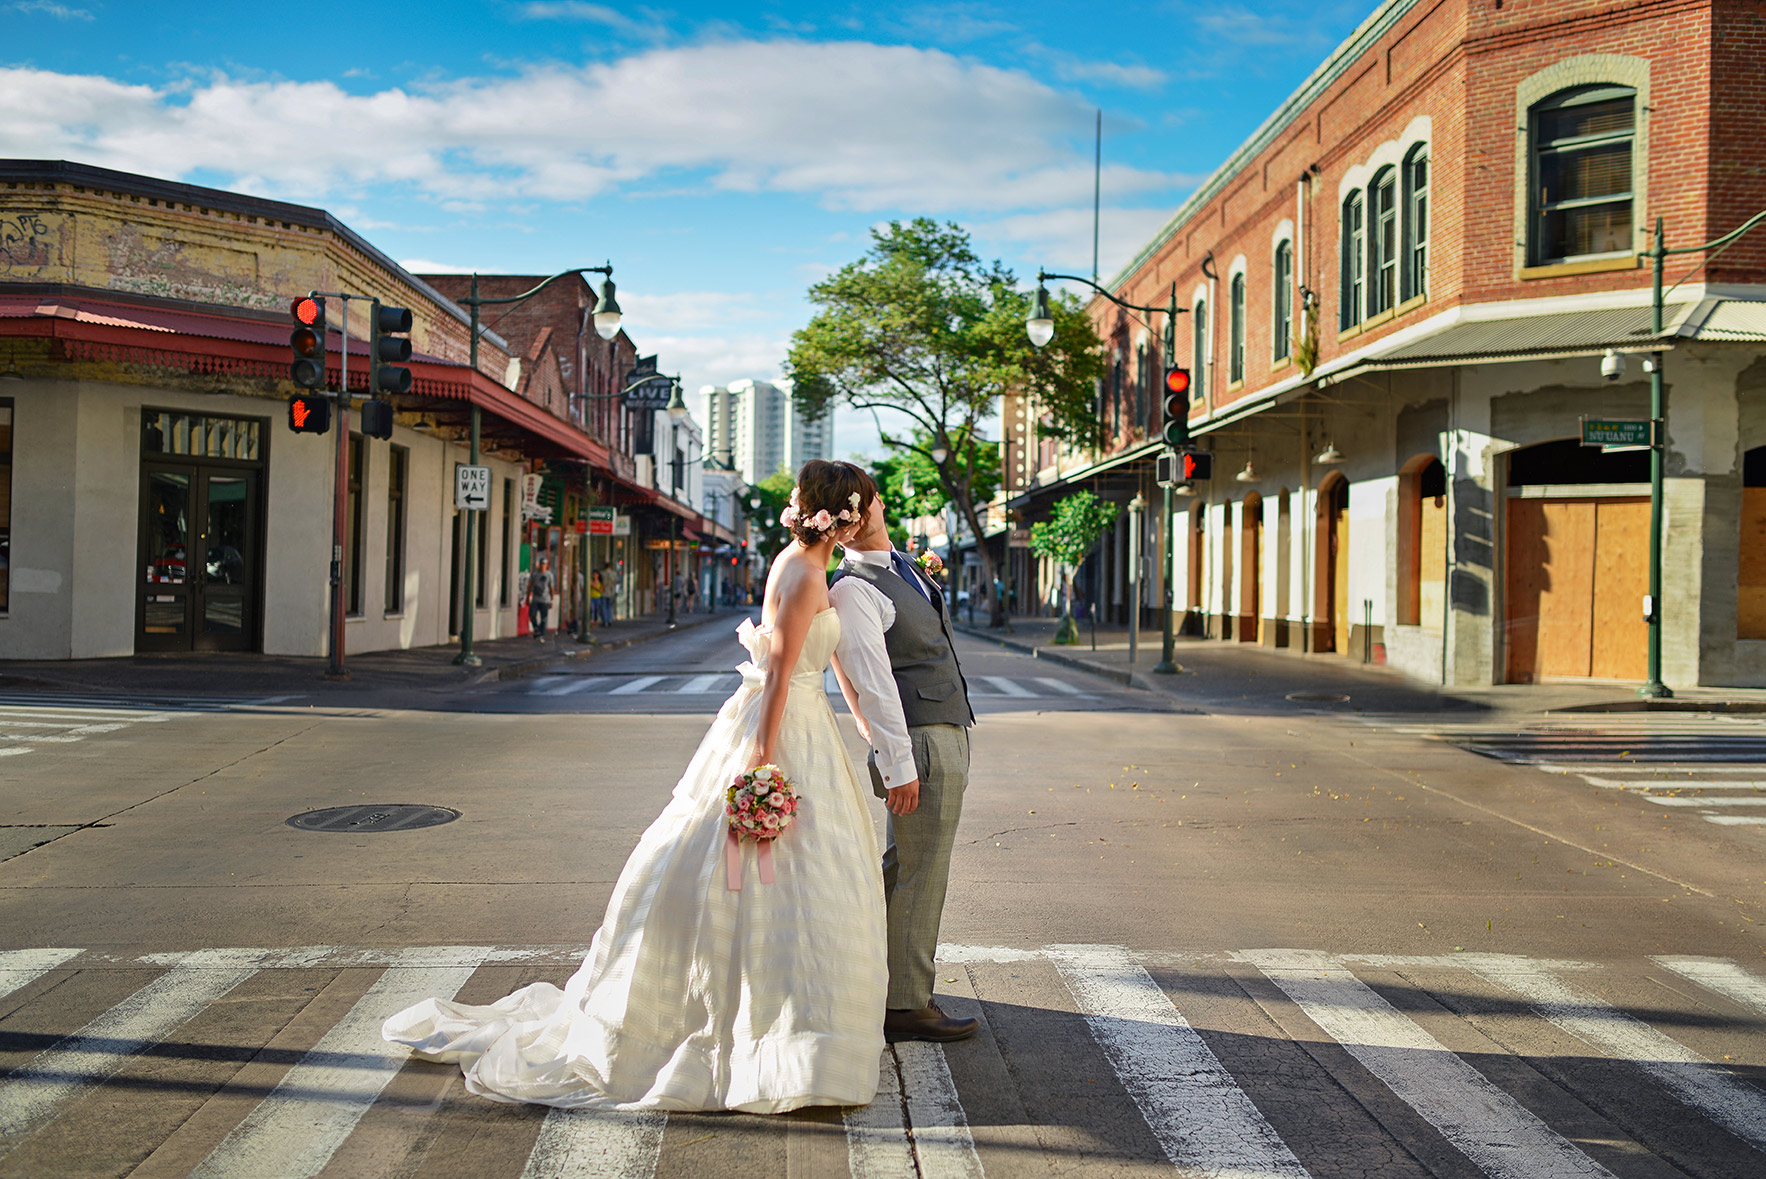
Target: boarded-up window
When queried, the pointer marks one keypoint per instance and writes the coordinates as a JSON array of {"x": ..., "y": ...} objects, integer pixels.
[
  {"x": 1425, "y": 564},
  {"x": 1750, "y": 593}
]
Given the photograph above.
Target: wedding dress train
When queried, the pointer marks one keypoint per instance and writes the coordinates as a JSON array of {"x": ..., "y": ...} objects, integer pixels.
[{"x": 693, "y": 996}]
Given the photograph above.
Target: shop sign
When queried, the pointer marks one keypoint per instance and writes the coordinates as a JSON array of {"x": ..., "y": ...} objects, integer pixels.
[
  {"x": 600, "y": 522},
  {"x": 530, "y": 496},
  {"x": 622, "y": 525},
  {"x": 472, "y": 488}
]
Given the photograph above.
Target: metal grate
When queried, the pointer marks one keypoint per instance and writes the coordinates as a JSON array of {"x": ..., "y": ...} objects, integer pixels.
[{"x": 374, "y": 817}]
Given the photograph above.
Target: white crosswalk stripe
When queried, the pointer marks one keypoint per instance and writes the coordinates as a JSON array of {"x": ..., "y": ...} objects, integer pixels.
[
  {"x": 31, "y": 1096},
  {"x": 723, "y": 683},
  {"x": 28, "y": 722},
  {"x": 296, "y": 1129},
  {"x": 1667, "y": 761},
  {"x": 1203, "y": 1121},
  {"x": 1504, "y": 1138}
]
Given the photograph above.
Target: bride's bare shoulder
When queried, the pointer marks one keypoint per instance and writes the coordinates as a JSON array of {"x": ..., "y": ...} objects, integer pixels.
[{"x": 795, "y": 587}]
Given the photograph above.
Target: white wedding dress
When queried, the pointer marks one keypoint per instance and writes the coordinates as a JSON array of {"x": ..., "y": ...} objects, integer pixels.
[{"x": 694, "y": 997}]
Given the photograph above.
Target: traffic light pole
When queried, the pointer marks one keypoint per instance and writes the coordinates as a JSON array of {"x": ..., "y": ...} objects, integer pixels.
[{"x": 340, "y": 503}]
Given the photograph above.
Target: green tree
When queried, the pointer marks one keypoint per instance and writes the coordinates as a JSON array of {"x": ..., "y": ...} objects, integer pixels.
[
  {"x": 774, "y": 492},
  {"x": 923, "y": 326},
  {"x": 911, "y": 487},
  {"x": 1067, "y": 538}
]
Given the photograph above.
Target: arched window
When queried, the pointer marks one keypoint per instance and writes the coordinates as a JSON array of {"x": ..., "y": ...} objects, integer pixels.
[
  {"x": 1581, "y": 147},
  {"x": 1382, "y": 293},
  {"x": 1236, "y": 360},
  {"x": 1284, "y": 302},
  {"x": 1143, "y": 384},
  {"x": 1414, "y": 274},
  {"x": 1354, "y": 261},
  {"x": 1199, "y": 350}
]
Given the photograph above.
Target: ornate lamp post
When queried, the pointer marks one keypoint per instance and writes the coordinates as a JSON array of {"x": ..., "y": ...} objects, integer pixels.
[
  {"x": 607, "y": 320},
  {"x": 1040, "y": 327}
]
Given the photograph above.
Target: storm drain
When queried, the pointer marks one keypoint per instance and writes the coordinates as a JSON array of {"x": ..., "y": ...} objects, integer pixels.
[
  {"x": 1318, "y": 697},
  {"x": 365, "y": 820}
]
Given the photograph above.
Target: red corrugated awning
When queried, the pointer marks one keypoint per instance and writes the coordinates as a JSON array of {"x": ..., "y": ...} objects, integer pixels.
[{"x": 97, "y": 330}]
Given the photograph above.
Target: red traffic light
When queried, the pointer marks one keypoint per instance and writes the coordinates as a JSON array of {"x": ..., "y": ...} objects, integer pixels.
[
  {"x": 1177, "y": 380},
  {"x": 307, "y": 310}
]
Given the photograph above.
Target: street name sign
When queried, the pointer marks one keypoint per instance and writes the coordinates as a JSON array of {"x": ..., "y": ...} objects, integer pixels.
[
  {"x": 1611, "y": 432},
  {"x": 472, "y": 488}
]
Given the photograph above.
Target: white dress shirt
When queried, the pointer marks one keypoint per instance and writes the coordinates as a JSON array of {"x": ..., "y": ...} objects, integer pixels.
[{"x": 865, "y": 614}]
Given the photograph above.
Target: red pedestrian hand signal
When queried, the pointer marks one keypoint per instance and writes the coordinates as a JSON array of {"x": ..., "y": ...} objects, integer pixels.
[
  {"x": 299, "y": 411},
  {"x": 309, "y": 415}
]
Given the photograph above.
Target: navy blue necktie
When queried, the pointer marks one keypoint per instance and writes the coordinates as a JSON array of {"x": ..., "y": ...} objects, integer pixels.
[{"x": 906, "y": 570}]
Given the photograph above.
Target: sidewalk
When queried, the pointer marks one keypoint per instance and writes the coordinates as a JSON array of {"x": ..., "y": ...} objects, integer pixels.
[
  {"x": 1226, "y": 675},
  {"x": 418, "y": 669}
]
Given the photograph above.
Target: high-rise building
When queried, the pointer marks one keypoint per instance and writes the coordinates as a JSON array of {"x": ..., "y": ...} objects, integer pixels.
[{"x": 754, "y": 428}]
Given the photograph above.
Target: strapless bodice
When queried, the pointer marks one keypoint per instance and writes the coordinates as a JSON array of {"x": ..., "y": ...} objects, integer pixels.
[{"x": 818, "y": 647}]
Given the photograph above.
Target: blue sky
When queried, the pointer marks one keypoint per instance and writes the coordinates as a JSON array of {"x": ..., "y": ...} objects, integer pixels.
[{"x": 723, "y": 157}]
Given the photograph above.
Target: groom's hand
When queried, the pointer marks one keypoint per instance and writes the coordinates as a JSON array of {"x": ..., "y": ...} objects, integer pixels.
[{"x": 903, "y": 800}]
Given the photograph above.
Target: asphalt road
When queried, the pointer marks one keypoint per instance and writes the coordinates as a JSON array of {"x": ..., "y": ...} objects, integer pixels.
[{"x": 1202, "y": 940}]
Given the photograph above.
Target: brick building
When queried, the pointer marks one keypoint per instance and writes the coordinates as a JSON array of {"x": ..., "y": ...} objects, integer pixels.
[{"x": 1400, "y": 290}]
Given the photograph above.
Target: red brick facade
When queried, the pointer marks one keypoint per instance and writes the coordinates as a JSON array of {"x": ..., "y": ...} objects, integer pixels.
[{"x": 1459, "y": 65}]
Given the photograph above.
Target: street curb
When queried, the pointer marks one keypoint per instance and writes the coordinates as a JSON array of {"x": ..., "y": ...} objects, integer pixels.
[
  {"x": 537, "y": 665},
  {"x": 1127, "y": 679}
]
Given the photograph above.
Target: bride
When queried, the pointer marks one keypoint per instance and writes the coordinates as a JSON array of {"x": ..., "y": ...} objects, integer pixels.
[{"x": 695, "y": 996}]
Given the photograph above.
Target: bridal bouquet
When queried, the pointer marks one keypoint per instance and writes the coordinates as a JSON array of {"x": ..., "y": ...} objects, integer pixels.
[{"x": 760, "y": 803}]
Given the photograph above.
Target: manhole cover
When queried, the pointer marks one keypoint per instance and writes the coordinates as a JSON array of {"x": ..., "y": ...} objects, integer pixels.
[
  {"x": 1318, "y": 697},
  {"x": 362, "y": 820}
]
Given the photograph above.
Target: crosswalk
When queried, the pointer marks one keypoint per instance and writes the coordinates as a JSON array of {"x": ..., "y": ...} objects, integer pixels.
[
  {"x": 41, "y": 721},
  {"x": 1713, "y": 765},
  {"x": 721, "y": 684},
  {"x": 1236, "y": 1064}
]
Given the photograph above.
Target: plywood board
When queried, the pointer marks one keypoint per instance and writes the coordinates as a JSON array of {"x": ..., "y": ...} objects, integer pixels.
[
  {"x": 1431, "y": 560},
  {"x": 1621, "y": 579},
  {"x": 1550, "y": 581},
  {"x": 1750, "y": 605},
  {"x": 1340, "y": 581}
]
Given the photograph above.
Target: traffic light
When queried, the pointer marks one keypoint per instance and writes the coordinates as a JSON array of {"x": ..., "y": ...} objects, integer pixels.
[
  {"x": 377, "y": 419},
  {"x": 308, "y": 342},
  {"x": 1195, "y": 464},
  {"x": 309, "y": 413},
  {"x": 388, "y": 349},
  {"x": 1176, "y": 428}
]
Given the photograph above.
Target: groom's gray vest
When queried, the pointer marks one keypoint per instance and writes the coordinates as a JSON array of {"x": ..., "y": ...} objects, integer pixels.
[{"x": 922, "y": 653}]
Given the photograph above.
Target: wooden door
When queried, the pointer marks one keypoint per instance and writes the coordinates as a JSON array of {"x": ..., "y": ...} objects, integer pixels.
[
  {"x": 1250, "y": 567},
  {"x": 1340, "y": 568}
]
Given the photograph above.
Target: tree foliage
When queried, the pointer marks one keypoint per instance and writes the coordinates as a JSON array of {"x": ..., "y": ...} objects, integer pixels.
[
  {"x": 921, "y": 325},
  {"x": 910, "y": 467},
  {"x": 774, "y": 492},
  {"x": 1071, "y": 533}
]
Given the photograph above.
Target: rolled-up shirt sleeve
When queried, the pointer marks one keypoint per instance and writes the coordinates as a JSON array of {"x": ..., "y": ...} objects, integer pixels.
[{"x": 864, "y": 615}]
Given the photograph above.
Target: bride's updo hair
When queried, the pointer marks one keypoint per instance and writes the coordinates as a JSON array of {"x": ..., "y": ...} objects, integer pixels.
[{"x": 828, "y": 496}]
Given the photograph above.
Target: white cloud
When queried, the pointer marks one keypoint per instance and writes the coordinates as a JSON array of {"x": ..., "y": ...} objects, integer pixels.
[
  {"x": 599, "y": 14},
  {"x": 1248, "y": 28},
  {"x": 50, "y": 8},
  {"x": 427, "y": 266},
  {"x": 1110, "y": 73},
  {"x": 694, "y": 311},
  {"x": 854, "y": 125}
]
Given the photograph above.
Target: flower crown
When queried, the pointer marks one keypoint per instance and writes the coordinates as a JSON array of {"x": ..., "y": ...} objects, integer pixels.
[{"x": 793, "y": 517}]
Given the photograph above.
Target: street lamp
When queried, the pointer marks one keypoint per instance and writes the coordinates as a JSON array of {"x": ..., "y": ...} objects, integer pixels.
[
  {"x": 607, "y": 319},
  {"x": 1040, "y": 327}
]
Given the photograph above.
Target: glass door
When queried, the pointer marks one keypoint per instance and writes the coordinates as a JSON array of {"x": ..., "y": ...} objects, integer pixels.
[
  {"x": 164, "y": 621},
  {"x": 224, "y": 588}
]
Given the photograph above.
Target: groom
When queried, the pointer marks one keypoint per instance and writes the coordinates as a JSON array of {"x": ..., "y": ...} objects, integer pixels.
[{"x": 899, "y": 673}]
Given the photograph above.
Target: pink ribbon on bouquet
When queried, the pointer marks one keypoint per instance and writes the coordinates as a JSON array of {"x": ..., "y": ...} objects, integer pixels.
[{"x": 733, "y": 861}]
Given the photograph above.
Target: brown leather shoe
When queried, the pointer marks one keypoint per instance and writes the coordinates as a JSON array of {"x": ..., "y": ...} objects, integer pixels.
[{"x": 928, "y": 1023}]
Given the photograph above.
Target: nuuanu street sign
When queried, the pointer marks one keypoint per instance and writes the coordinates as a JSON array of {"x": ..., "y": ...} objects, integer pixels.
[{"x": 1609, "y": 432}]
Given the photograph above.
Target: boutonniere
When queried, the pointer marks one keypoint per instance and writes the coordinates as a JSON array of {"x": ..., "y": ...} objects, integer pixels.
[{"x": 929, "y": 563}]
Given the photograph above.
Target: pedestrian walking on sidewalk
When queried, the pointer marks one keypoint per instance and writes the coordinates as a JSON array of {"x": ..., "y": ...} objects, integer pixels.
[{"x": 539, "y": 598}]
